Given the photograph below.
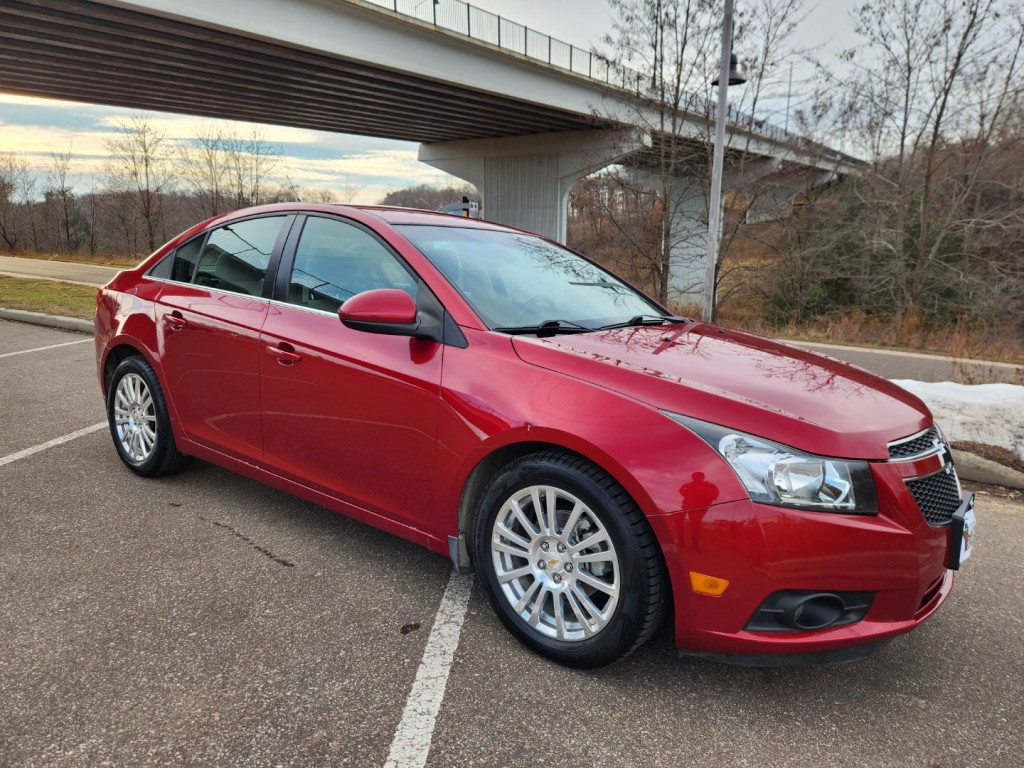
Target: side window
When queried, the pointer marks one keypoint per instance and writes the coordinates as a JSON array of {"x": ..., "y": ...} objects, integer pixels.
[
  {"x": 236, "y": 256},
  {"x": 335, "y": 260},
  {"x": 185, "y": 260},
  {"x": 179, "y": 263}
]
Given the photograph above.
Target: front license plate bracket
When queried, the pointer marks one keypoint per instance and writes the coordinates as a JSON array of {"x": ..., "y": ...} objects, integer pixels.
[{"x": 963, "y": 525}]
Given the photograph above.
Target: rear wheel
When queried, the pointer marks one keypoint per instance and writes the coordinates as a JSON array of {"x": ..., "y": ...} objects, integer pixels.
[
  {"x": 568, "y": 561},
  {"x": 139, "y": 422}
]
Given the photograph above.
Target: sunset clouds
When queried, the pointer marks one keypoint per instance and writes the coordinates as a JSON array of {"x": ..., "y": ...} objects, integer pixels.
[{"x": 37, "y": 128}]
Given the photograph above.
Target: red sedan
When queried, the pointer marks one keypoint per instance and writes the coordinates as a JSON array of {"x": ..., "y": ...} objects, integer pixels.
[{"x": 493, "y": 396}]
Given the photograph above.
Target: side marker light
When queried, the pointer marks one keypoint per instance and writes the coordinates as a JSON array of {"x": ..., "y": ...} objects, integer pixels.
[{"x": 703, "y": 584}]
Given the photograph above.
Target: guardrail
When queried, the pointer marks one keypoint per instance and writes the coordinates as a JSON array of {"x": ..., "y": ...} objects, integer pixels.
[{"x": 483, "y": 26}]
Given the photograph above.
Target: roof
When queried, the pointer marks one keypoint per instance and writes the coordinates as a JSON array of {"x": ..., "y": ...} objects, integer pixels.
[{"x": 388, "y": 214}]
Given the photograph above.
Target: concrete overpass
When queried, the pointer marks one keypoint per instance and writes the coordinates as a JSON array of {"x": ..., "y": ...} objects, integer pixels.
[{"x": 518, "y": 114}]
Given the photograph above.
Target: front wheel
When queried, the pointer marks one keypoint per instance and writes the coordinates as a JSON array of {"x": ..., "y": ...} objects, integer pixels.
[
  {"x": 568, "y": 561},
  {"x": 139, "y": 422}
]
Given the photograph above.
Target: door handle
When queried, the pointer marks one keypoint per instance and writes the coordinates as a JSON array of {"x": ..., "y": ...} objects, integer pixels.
[
  {"x": 176, "y": 322},
  {"x": 284, "y": 356}
]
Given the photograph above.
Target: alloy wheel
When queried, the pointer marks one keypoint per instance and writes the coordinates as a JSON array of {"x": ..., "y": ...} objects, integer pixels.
[
  {"x": 135, "y": 418},
  {"x": 555, "y": 563}
]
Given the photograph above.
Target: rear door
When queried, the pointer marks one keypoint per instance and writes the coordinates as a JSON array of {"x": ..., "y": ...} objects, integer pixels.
[
  {"x": 209, "y": 317},
  {"x": 350, "y": 413}
]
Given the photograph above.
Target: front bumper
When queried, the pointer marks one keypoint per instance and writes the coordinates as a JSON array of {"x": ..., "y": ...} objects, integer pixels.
[{"x": 760, "y": 550}]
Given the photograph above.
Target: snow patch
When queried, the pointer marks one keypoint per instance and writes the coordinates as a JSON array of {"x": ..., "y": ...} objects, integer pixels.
[{"x": 982, "y": 413}]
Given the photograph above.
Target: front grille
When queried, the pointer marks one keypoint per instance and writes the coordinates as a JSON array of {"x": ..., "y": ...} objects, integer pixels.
[
  {"x": 915, "y": 446},
  {"x": 937, "y": 496}
]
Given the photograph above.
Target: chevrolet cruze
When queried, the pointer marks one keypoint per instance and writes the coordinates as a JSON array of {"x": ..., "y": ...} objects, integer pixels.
[{"x": 602, "y": 464}]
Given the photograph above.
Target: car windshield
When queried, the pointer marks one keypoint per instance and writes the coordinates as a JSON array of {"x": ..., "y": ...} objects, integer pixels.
[{"x": 518, "y": 281}]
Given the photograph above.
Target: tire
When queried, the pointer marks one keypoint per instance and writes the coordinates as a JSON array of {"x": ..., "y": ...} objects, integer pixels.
[
  {"x": 582, "y": 606},
  {"x": 139, "y": 423}
]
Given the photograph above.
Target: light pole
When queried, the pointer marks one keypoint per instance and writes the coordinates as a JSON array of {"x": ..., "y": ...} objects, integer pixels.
[{"x": 728, "y": 74}]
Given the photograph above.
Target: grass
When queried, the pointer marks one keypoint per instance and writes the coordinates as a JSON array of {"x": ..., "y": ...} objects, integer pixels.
[
  {"x": 49, "y": 296},
  {"x": 956, "y": 339},
  {"x": 998, "y": 340},
  {"x": 78, "y": 258}
]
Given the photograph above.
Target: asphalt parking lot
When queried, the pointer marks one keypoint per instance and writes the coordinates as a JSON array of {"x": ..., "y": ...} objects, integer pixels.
[{"x": 205, "y": 619}]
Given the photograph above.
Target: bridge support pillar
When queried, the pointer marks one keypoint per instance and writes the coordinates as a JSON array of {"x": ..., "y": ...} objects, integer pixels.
[
  {"x": 687, "y": 206},
  {"x": 525, "y": 181},
  {"x": 775, "y": 201}
]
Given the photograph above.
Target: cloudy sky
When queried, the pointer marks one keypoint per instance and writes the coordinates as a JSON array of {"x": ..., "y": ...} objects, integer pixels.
[{"x": 39, "y": 127}]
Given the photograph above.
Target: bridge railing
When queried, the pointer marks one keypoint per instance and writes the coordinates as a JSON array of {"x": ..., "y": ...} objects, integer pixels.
[{"x": 465, "y": 19}]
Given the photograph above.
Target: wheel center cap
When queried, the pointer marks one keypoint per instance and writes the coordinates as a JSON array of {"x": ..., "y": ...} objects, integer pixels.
[{"x": 553, "y": 563}]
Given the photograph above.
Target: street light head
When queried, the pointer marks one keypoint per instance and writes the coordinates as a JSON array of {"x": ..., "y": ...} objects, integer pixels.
[{"x": 735, "y": 73}]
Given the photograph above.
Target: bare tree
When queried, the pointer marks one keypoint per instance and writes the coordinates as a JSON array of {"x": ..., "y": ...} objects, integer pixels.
[
  {"x": 92, "y": 215},
  {"x": 121, "y": 226},
  {"x": 11, "y": 169},
  {"x": 429, "y": 197},
  {"x": 19, "y": 208},
  {"x": 674, "y": 46},
  {"x": 617, "y": 220},
  {"x": 348, "y": 190},
  {"x": 249, "y": 162},
  {"x": 139, "y": 173},
  {"x": 202, "y": 170},
  {"x": 934, "y": 98},
  {"x": 345, "y": 194},
  {"x": 319, "y": 195},
  {"x": 64, "y": 213}
]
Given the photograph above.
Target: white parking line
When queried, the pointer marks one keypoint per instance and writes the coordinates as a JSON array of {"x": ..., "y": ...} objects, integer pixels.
[
  {"x": 42, "y": 349},
  {"x": 415, "y": 732},
  {"x": 52, "y": 443}
]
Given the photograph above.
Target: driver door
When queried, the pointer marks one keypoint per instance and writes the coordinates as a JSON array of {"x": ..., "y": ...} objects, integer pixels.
[{"x": 349, "y": 413}]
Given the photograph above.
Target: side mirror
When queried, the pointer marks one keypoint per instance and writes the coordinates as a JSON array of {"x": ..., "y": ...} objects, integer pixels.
[{"x": 382, "y": 310}]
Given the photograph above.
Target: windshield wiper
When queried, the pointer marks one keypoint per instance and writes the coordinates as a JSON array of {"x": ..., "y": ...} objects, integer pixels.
[
  {"x": 638, "y": 320},
  {"x": 547, "y": 328}
]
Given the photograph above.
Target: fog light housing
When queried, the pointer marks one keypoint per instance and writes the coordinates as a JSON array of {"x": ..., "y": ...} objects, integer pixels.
[{"x": 808, "y": 611}]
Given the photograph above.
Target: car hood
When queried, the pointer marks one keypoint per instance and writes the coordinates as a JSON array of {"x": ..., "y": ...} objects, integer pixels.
[{"x": 802, "y": 399}]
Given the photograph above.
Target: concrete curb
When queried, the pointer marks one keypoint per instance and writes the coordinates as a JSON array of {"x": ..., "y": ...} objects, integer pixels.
[
  {"x": 51, "y": 321},
  {"x": 978, "y": 469}
]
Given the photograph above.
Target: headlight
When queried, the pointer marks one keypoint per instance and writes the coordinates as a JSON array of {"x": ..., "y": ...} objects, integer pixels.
[{"x": 774, "y": 473}]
